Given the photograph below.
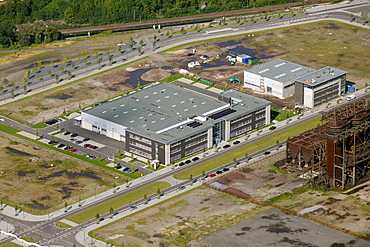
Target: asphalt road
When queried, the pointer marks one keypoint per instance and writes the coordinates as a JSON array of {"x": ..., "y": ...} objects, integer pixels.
[{"x": 46, "y": 232}]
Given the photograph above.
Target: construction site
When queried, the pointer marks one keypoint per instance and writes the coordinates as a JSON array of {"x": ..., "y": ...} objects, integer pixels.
[{"x": 336, "y": 154}]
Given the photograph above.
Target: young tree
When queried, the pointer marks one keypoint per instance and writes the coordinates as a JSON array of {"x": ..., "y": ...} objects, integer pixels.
[
  {"x": 39, "y": 64},
  {"x": 65, "y": 59},
  {"x": 73, "y": 64},
  {"x": 65, "y": 206},
  {"x": 111, "y": 210},
  {"x": 141, "y": 42},
  {"x": 69, "y": 74},
  {"x": 191, "y": 177},
  {"x": 25, "y": 86},
  {"x": 49, "y": 71},
  {"x": 139, "y": 50},
  {"x": 97, "y": 216},
  {"x": 110, "y": 58},
  {"x": 5, "y": 81},
  {"x": 57, "y": 78},
  {"x": 159, "y": 192},
  {"x": 132, "y": 167}
]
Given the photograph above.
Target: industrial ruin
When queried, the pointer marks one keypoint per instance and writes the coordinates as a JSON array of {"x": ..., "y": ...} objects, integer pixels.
[{"x": 336, "y": 154}]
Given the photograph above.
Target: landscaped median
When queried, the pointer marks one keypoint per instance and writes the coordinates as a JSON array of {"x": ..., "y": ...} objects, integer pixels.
[
  {"x": 247, "y": 150},
  {"x": 118, "y": 202}
]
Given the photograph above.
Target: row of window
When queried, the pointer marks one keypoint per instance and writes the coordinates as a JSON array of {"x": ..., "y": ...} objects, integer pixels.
[
  {"x": 175, "y": 144},
  {"x": 240, "y": 132},
  {"x": 241, "y": 124},
  {"x": 140, "y": 152},
  {"x": 140, "y": 145},
  {"x": 241, "y": 118},
  {"x": 261, "y": 123},
  {"x": 196, "y": 142},
  {"x": 139, "y": 138},
  {"x": 260, "y": 111},
  {"x": 196, "y": 149},
  {"x": 196, "y": 136},
  {"x": 175, "y": 157},
  {"x": 175, "y": 150},
  {"x": 260, "y": 116}
]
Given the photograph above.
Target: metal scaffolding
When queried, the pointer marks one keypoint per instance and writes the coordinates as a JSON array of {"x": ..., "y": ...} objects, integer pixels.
[{"x": 336, "y": 154}]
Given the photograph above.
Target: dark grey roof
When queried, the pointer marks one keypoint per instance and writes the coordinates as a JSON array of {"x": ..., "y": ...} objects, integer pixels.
[
  {"x": 280, "y": 70},
  {"x": 162, "y": 111},
  {"x": 320, "y": 76}
]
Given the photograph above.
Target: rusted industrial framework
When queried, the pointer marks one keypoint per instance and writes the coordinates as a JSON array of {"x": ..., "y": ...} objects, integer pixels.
[{"x": 337, "y": 154}]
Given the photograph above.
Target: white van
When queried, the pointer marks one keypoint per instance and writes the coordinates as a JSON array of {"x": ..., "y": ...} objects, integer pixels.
[{"x": 351, "y": 97}]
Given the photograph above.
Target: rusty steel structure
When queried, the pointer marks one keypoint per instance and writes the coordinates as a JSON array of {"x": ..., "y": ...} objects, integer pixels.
[{"x": 336, "y": 154}]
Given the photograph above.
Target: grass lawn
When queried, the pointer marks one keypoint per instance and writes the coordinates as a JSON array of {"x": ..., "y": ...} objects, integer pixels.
[
  {"x": 249, "y": 149},
  {"x": 10, "y": 244},
  {"x": 62, "y": 225},
  {"x": 118, "y": 202}
]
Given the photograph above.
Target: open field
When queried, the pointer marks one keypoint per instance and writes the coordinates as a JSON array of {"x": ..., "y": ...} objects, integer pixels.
[
  {"x": 179, "y": 220},
  {"x": 118, "y": 202},
  {"x": 39, "y": 180},
  {"x": 203, "y": 214},
  {"x": 249, "y": 149},
  {"x": 315, "y": 45}
]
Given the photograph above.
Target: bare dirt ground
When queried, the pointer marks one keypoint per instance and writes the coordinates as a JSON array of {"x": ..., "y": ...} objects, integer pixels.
[
  {"x": 192, "y": 216},
  {"x": 330, "y": 44},
  {"x": 40, "y": 180}
]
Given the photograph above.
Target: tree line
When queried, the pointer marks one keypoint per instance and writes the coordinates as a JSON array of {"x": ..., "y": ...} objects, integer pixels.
[{"x": 23, "y": 22}]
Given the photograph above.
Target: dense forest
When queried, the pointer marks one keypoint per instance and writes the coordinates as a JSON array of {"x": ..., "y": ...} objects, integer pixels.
[{"x": 24, "y": 22}]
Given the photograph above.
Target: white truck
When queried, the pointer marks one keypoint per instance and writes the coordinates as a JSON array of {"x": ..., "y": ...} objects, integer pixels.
[{"x": 351, "y": 97}]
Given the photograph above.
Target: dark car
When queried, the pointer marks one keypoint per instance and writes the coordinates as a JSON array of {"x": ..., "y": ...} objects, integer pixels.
[
  {"x": 67, "y": 133},
  {"x": 92, "y": 157},
  {"x": 236, "y": 142},
  {"x": 86, "y": 139},
  {"x": 61, "y": 145},
  {"x": 94, "y": 147},
  {"x": 181, "y": 163},
  {"x": 267, "y": 152},
  {"x": 79, "y": 142},
  {"x": 195, "y": 159},
  {"x": 219, "y": 172},
  {"x": 87, "y": 145},
  {"x": 52, "y": 142},
  {"x": 272, "y": 127},
  {"x": 74, "y": 135},
  {"x": 118, "y": 166},
  {"x": 181, "y": 187},
  {"x": 187, "y": 161},
  {"x": 68, "y": 147},
  {"x": 133, "y": 207},
  {"x": 226, "y": 169},
  {"x": 226, "y": 146}
]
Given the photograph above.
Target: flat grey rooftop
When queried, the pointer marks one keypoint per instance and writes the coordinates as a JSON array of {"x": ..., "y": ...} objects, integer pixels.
[
  {"x": 280, "y": 70},
  {"x": 163, "y": 111},
  {"x": 320, "y": 76}
]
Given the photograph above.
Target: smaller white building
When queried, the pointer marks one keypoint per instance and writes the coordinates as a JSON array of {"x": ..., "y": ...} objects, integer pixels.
[{"x": 276, "y": 77}]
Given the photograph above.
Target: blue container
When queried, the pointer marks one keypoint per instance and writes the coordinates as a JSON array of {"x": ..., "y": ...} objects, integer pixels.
[{"x": 351, "y": 89}]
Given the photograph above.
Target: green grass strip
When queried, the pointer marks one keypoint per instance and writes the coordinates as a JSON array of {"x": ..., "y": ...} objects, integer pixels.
[
  {"x": 118, "y": 202},
  {"x": 8, "y": 129},
  {"x": 10, "y": 244},
  {"x": 249, "y": 149}
]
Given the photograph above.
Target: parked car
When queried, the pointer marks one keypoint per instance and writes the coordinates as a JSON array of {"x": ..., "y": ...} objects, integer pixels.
[
  {"x": 79, "y": 141},
  {"x": 236, "y": 142},
  {"x": 127, "y": 170},
  {"x": 181, "y": 163},
  {"x": 94, "y": 147},
  {"x": 68, "y": 147},
  {"x": 212, "y": 175},
  {"x": 118, "y": 166},
  {"x": 72, "y": 139},
  {"x": 226, "y": 146},
  {"x": 52, "y": 142},
  {"x": 219, "y": 172},
  {"x": 187, "y": 161},
  {"x": 272, "y": 127},
  {"x": 74, "y": 135},
  {"x": 61, "y": 145},
  {"x": 181, "y": 187},
  {"x": 92, "y": 157},
  {"x": 226, "y": 169},
  {"x": 86, "y": 139},
  {"x": 87, "y": 145},
  {"x": 67, "y": 133},
  {"x": 133, "y": 207},
  {"x": 267, "y": 152},
  {"x": 73, "y": 150},
  {"x": 195, "y": 159}
]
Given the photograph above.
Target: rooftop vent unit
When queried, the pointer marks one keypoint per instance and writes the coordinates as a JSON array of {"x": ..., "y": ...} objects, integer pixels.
[
  {"x": 116, "y": 115},
  {"x": 203, "y": 103},
  {"x": 162, "y": 118},
  {"x": 281, "y": 75},
  {"x": 132, "y": 121},
  {"x": 280, "y": 64},
  {"x": 194, "y": 105},
  {"x": 158, "y": 100},
  {"x": 125, "y": 112},
  {"x": 146, "y": 96},
  {"x": 191, "y": 98},
  {"x": 175, "y": 93},
  {"x": 122, "y": 105},
  {"x": 296, "y": 69},
  {"x": 113, "y": 108},
  {"x": 186, "y": 109},
  {"x": 263, "y": 71},
  {"x": 182, "y": 102},
  {"x": 137, "y": 99},
  {"x": 173, "y": 105},
  {"x": 159, "y": 107},
  {"x": 153, "y": 122},
  {"x": 313, "y": 81},
  {"x": 104, "y": 112},
  {"x": 167, "y": 97},
  {"x": 134, "y": 109},
  {"x": 155, "y": 92}
]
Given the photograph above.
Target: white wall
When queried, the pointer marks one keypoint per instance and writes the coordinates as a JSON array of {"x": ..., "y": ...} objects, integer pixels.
[
  {"x": 308, "y": 97},
  {"x": 227, "y": 130},
  {"x": 268, "y": 114},
  {"x": 251, "y": 81},
  {"x": 210, "y": 138}
]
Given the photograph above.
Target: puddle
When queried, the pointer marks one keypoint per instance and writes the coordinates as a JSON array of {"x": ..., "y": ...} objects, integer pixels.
[
  {"x": 37, "y": 205},
  {"x": 269, "y": 33},
  {"x": 61, "y": 96},
  {"x": 331, "y": 26},
  {"x": 46, "y": 166},
  {"x": 66, "y": 191},
  {"x": 24, "y": 173},
  {"x": 229, "y": 43},
  {"x": 70, "y": 175},
  {"x": 15, "y": 151},
  {"x": 142, "y": 235},
  {"x": 167, "y": 67},
  {"x": 134, "y": 78},
  {"x": 45, "y": 198}
]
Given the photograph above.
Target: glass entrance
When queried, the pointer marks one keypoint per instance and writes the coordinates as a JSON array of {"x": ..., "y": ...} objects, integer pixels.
[{"x": 217, "y": 132}]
